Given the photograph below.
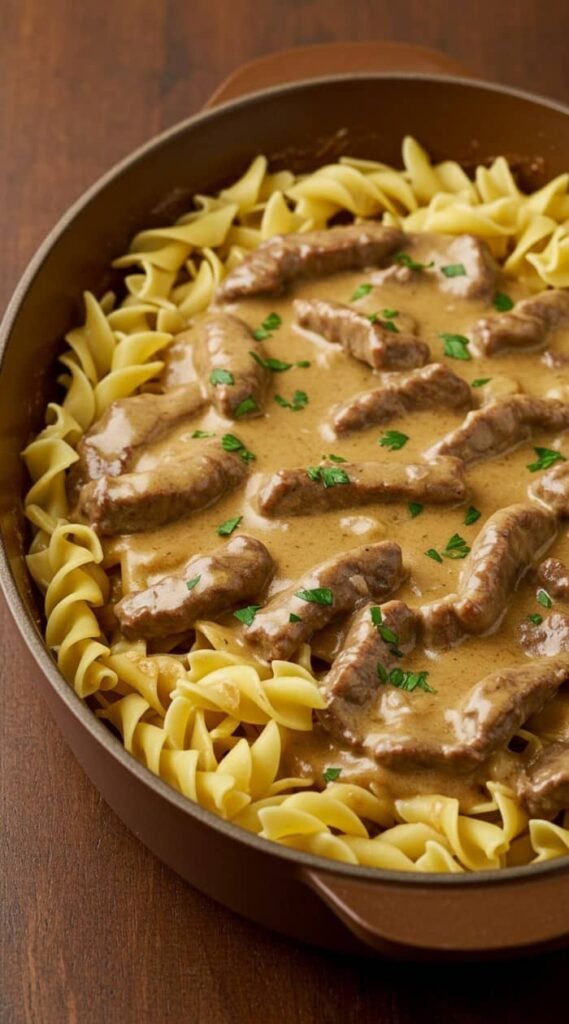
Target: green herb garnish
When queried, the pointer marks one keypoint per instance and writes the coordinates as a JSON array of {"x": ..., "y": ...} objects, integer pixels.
[
  {"x": 472, "y": 516},
  {"x": 294, "y": 618},
  {"x": 247, "y": 405},
  {"x": 269, "y": 324},
  {"x": 274, "y": 365},
  {"x": 502, "y": 302},
  {"x": 388, "y": 325},
  {"x": 456, "y": 346},
  {"x": 246, "y": 615},
  {"x": 227, "y": 528},
  {"x": 202, "y": 433},
  {"x": 299, "y": 400},
  {"x": 544, "y": 599},
  {"x": 331, "y": 774},
  {"x": 388, "y": 314},
  {"x": 217, "y": 377},
  {"x": 304, "y": 364},
  {"x": 415, "y": 509},
  {"x": 330, "y": 476},
  {"x": 193, "y": 583},
  {"x": 456, "y": 547},
  {"x": 386, "y": 634},
  {"x": 546, "y": 457},
  {"x": 408, "y": 681},
  {"x": 361, "y": 290},
  {"x": 393, "y": 440},
  {"x": 480, "y": 382},
  {"x": 407, "y": 261},
  {"x": 431, "y": 553},
  {"x": 335, "y": 458},
  {"x": 454, "y": 270},
  {"x": 320, "y": 595},
  {"x": 230, "y": 443},
  {"x": 536, "y": 618}
]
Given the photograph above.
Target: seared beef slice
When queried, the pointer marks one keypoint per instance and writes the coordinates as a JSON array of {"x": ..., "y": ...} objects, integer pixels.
[
  {"x": 341, "y": 585},
  {"x": 146, "y": 500},
  {"x": 545, "y": 786},
  {"x": 285, "y": 258},
  {"x": 527, "y": 326},
  {"x": 370, "y": 342},
  {"x": 235, "y": 573},
  {"x": 294, "y": 492},
  {"x": 552, "y": 488},
  {"x": 554, "y": 576},
  {"x": 430, "y": 387}
]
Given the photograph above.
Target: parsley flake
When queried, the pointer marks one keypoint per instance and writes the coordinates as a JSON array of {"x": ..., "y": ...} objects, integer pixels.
[
  {"x": 456, "y": 346},
  {"x": 274, "y": 365},
  {"x": 227, "y": 528},
  {"x": 331, "y": 774},
  {"x": 536, "y": 618},
  {"x": 269, "y": 324},
  {"x": 388, "y": 325},
  {"x": 546, "y": 457},
  {"x": 388, "y": 314},
  {"x": 480, "y": 382},
  {"x": 320, "y": 595},
  {"x": 502, "y": 302},
  {"x": 544, "y": 599},
  {"x": 431, "y": 553},
  {"x": 386, "y": 634},
  {"x": 247, "y": 405},
  {"x": 472, "y": 516},
  {"x": 330, "y": 476},
  {"x": 335, "y": 458},
  {"x": 299, "y": 400},
  {"x": 415, "y": 509},
  {"x": 294, "y": 618},
  {"x": 218, "y": 377},
  {"x": 361, "y": 290},
  {"x": 407, "y": 261},
  {"x": 304, "y": 364},
  {"x": 454, "y": 270},
  {"x": 202, "y": 433},
  {"x": 408, "y": 681},
  {"x": 393, "y": 440},
  {"x": 247, "y": 615},
  {"x": 193, "y": 583},
  {"x": 230, "y": 443},
  {"x": 456, "y": 547}
]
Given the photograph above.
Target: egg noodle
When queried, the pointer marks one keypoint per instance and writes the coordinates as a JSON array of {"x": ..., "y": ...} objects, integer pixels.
[{"x": 212, "y": 724}]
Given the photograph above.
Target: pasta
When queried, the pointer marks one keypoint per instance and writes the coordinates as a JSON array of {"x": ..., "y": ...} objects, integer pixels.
[{"x": 214, "y": 722}]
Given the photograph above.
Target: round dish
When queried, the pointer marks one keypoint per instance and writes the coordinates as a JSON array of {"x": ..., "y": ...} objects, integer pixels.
[{"x": 462, "y": 916}]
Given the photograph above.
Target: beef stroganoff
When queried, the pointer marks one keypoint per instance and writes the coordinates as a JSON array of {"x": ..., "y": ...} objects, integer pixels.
[{"x": 301, "y": 517}]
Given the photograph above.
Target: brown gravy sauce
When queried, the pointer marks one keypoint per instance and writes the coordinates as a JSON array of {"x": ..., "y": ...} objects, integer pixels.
[{"x": 284, "y": 438}]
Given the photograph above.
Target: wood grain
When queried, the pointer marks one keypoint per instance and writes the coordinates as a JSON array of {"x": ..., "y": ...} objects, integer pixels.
[{"x": 94, "y": 928}]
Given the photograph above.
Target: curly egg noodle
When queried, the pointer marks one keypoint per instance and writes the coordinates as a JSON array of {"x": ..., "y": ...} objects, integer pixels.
[{"x": 213, "y": 724}]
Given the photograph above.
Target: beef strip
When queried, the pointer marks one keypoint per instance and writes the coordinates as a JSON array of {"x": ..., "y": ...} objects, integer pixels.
[
  {"x": 128, "y": 424},
  {"x": 544, "y": 788},
  {"x": 371, "y": 343},
  {"x": 232, "y": 575},
  {"x": 360, "y": 575},
  {"x": 500, "y": 426},
  {"x": 491, "y": 714},
  {"x": 146, "y": 500},
  {"x": 552, "y": 488},
  {"x": 547, "y": 639},
  {"x": 478, "y": 281},
  {"x": 285, "y": 258},
  {"x": 507, "y": 545},
  {"x": 439, "y": 626},
  {"x": 554, "y": 576},
  {"x": 292, "y": 492},
  {"x": 433, "y": 386},
  {"x": 221, "y": 342},
  {"x": 526, "y": 327}
]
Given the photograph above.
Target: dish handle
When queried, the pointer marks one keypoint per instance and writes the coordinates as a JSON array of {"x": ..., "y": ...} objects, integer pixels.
[
  {"x": 447, "y": 917},
  {"x": 332, "y": 59}
]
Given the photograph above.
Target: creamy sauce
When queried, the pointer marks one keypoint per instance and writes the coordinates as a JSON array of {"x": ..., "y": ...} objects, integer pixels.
[{"x": 285, "y": 438}]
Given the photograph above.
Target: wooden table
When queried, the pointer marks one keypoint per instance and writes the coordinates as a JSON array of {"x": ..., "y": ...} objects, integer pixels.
[{"x": 94, "y": 928}]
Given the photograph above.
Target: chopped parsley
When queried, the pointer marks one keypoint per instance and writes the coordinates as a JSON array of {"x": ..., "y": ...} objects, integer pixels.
[
  {"x": 407, "y": 261},
  {"x": 456, "y": 547},
  {"x": 388, "y": 314},
  {"x": 544, "y": 599},
  {"x": 230, "y": 443},
  {"x": 546, "y": 457},
  {"x": 330, "y": 476},
  {"x": 388, "y": 325},
  {"x": 415, "y": 509},
  {"x": 202, "y": 433},
  {"x": 335, "y": 458},
  {"x": 454, "y": 270},
  {"x": 480, "y": 382},
  {"x": 303, "y": 363},
  {"x": 408, "y": 681},
  {"x": 320, "y": 595},
  {"x": 193, "y": 583},
  {"x": 536, "y": 618},
  {"x": 247, "y": 405},
  {"x": 502, "y": 302},
  {"x": 431, "y": 553},
  {"x": 294, "y": 618},
  {"x": 456, "y": 346},
  {"x": 361, "y": 290},
  {"x": 269, "y": 324},
  {"x": 246, "y": 615},
  {"x": 472, "y": 516},
  {"x": 218, "y": 377},
  {"x": 386, "y": 634},
  {"x": 393, "y": 440},
  {"x": 275, "y": 365},
  {"x": 331, "y": 774},
  {"x": 227, "y": 528},
  {"x": 299, "y": 400}
]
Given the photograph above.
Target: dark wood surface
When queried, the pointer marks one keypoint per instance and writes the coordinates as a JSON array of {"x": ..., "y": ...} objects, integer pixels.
[{"x": 94, "y": 928}]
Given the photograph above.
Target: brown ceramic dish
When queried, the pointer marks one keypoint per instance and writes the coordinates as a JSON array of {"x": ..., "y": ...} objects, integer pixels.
[{"x": 301, "y": 125}]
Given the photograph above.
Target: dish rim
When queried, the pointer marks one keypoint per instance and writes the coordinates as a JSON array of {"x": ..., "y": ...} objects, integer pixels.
[{"x": 23, "y": 618}]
